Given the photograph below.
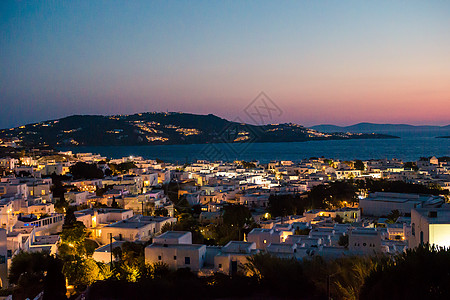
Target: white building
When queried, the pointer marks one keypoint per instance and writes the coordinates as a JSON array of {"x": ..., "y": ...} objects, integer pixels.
[
  {"x": 365, "y": 240},
  {"x": 430, "y": 225},
  {"x": 381, "y": 204},
  {"x": 140, "y": 228},
  {"x": 179, "y": 255}
]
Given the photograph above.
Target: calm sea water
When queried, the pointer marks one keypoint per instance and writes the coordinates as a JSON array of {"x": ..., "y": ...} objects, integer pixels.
[{"x": 405, "y": 148}]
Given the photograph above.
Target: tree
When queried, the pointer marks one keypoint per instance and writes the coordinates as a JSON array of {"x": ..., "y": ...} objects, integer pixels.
[
  {"x": 28, "y": 267},
  {"x": 237, "y": 215},
  {"x": 286, "y": 204},
  {"x": 161, "y": 212},
  {"x": 70, "y": 220},
  {"x": 108, "y": 172},
  {"x": 382, "y": 185},
  {"x": 343, "y": 241},
  {"x": 410, "y": 165},
  {"x": 55, "y": 282},
  {"x": 283, "y": 277},
  {"x": 338, "y": 219},
  {"x": 121, "y": 168},
  {"x": 393, "y": 216},
  {"x": 166, "y": 227},
  {"x": 114, "y": 203},
  {"x": 359, "y": 165},
  {"x": 27, "y": 273},
  {"x": 82, "y": 170},
  {"x": 73, "y": 240},
  {"x": 420, "y": 273},
  {"x": 248, "y": 165}
]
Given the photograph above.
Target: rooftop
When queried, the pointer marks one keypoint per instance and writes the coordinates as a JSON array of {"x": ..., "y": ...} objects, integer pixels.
[
  {"x": 107, "y": 248},
  {"x": 434, "y": 215},
  {"x": 183, "y": 246},
  {"x": 173, "y": 234},
  {"x": 138, "y": 221}
]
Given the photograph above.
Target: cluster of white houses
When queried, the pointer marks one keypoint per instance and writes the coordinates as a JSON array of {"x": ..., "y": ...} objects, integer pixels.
[{"x": 29, "y": 221}]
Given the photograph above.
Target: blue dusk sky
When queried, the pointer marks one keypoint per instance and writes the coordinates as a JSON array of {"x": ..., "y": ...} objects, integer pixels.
[{"x": 338, "y": 62}]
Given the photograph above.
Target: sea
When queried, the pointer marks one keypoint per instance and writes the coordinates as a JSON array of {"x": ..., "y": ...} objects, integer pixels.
[{"x": 408, "y": 148}]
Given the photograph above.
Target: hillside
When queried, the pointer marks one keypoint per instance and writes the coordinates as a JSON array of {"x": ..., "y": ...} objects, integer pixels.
[
  {"x": 391, "y": 129},
  {"x": 159, "y": 129}
]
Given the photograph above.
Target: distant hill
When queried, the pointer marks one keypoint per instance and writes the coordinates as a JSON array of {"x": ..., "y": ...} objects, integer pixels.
[
  {"x": 391, "y": 129},
  {"x": 160, "y": 129}
]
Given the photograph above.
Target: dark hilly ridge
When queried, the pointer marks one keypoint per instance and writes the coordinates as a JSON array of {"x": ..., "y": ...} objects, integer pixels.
[
  {"x": 160, "y": 129},
  {"x": 390, "y": 129}
]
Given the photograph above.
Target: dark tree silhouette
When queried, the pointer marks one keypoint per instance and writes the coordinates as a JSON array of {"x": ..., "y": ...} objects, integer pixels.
[
  {"x": 55, "y": 282},
  {"x": 82, "y": 170},
  {"x": 421, "y": 273}
]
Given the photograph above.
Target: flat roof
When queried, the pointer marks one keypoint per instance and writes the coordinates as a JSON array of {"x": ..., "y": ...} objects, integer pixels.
[
  {"x": 172, "y": 234},
  {"x": 442, "y": 215},
  {"x": 183, "y": 246},
  {"x": 107, "y": 248},
  {"x": 138, "y": 221}
]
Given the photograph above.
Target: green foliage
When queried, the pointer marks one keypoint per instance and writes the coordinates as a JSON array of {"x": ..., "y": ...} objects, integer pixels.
[
  {"x": 248, "y": 165},
  {"x": 73, "y": 240},
  {"x": 186, "y": 222},
  {"x": 328, "y": 161},
  {"x": 109, "y": 172},
  {"x": 286, "y": 204},
  {"x": 114, "y": 203},
  {"x": 69, "y": 219},
  {"x": 58, "y": 188},
  {"x": 166, "y": 227},
  {"x": 282, "y": 277},
  {"x": 417, "y": 274},
  {"x": 343, "y": 241},
  {"x": 55, "y": 282},
  {"x": 237, "y": 215},
  {"x": 338, "y": 219},
  {"x": 82, "y": 170},
  {"x": 101, "y": 191},
  {"x": 421, "y": 273},
  {"x": 81, "y": 272},
  {"x": 382, "y": 185},
  {"x": 161, "y": 212},
  {"x": 393, "y": 216},
  {"x": 171, "y": 190},
  {"x": 32, "y": 272},
  {"x": 90, "y": 246},
  {"x": 28, "y": 268},
  {"x": 410, "y": 165},
  {"x": 332, "y": 195},
  {"x": 75, "y": 250},
  {"x": 359, "y": 165},
  {"x": 122, "y": 168}
]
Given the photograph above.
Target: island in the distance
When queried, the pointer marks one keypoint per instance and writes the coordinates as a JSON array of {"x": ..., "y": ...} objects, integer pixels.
[{"x": 156, "y": 128}]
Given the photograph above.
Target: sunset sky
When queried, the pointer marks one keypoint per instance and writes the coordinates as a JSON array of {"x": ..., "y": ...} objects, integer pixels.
[{"x": 334, "y": 62}]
